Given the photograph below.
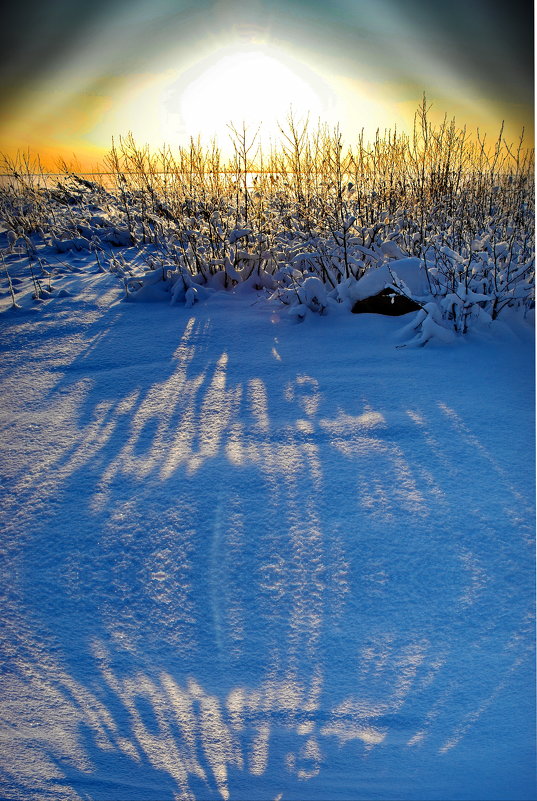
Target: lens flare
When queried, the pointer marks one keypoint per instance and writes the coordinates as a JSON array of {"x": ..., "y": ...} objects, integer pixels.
[{"x": 247, "y": 85}]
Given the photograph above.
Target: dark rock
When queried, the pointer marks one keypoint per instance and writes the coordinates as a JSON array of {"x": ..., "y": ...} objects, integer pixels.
[{"x": 386, "y": 302}]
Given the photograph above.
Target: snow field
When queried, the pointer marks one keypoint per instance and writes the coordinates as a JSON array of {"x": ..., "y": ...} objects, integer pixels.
[{"x": 250, "y": 559}]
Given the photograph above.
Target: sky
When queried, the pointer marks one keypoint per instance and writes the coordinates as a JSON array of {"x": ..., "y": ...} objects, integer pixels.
[{"x": 74, "y": 74}]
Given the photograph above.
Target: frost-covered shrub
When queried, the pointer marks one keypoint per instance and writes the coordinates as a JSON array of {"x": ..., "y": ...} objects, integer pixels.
[{"x": 314, "y": 229}]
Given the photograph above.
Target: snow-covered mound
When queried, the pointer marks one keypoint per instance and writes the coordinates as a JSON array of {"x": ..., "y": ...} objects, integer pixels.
[{"x": 410, "y": 271}]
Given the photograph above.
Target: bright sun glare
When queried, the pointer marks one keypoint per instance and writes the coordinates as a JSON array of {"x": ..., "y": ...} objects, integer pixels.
[{"x": 250, "y": 86}]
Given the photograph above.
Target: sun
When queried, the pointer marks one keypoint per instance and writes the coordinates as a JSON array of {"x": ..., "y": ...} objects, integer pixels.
[{"x": 250, "y": 85}]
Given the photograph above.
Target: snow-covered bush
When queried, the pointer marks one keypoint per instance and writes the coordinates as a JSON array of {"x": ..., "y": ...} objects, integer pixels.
[
  {"x": 316, "y": 228},
  {"x": 425, "y": 326}
]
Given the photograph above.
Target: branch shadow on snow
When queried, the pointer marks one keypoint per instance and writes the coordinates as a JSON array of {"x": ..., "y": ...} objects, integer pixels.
[{"x": 252, "y": 570}]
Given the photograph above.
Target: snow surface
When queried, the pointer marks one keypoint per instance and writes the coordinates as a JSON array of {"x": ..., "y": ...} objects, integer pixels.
[{"x": 247, "y": 558}]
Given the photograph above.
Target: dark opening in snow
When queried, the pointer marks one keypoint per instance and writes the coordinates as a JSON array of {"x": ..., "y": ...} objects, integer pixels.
[{"x": 386, "y": 302}]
